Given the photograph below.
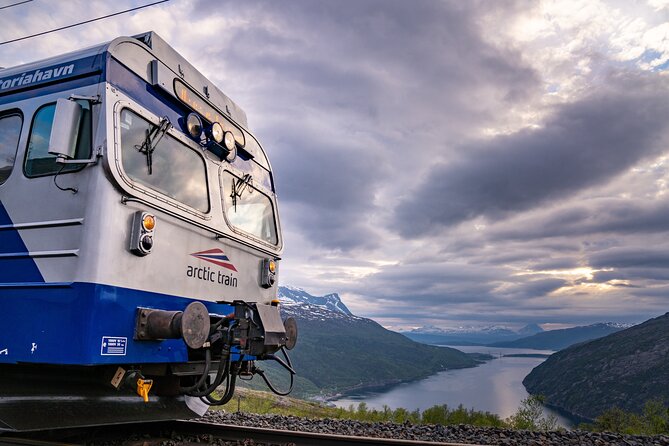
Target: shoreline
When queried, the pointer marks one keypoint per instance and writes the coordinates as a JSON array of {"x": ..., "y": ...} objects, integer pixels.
[
  {"x": 479, "y": 357},
  {"x": 387, "y": 385},
  {"x": 372, "y": 392}
]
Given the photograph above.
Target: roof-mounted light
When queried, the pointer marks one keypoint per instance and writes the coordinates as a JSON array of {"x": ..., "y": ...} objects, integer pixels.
[
  {"x": 194, "y": 125},
  {"x": 230, "y": 146},
  {"x": 216, "y": 132},
  {"x": 229, "y": 140}
]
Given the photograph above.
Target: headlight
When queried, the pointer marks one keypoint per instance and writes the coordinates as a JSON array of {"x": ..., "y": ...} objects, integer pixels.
[
  {"x": 217, "y": 132},
  {"x": 231, "y": 146},
  {"x": 194, "y": 125},
  {"x": 229, "y": 141}
]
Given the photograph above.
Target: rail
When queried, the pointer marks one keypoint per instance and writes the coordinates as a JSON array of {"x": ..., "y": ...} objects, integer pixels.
[{"x": 156, "y": 432}]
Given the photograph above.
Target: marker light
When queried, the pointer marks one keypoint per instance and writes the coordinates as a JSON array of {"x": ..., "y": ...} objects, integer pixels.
[
  {"x": 194, "y": 125},
  {"x": 267, "y": 273},
  {"x": 217, "y": 132},
  {"x": 149, "y": 222},
  {"x": 142, "y": 233}
]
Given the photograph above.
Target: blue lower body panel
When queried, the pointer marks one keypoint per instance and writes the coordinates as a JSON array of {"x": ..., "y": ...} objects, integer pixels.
[{"x": 84, "y": 324}]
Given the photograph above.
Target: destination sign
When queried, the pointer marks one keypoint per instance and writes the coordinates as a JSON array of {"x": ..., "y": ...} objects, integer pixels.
[
  {"x": 51, "y": 73},
  {"x": 208, "y": 112}
]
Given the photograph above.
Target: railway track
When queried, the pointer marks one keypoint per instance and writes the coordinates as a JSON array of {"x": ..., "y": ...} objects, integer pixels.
[{"x": 195, "y": 433}]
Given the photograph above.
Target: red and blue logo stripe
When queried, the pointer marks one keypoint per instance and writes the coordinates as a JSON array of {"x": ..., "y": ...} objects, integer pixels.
[{"x": 215, "y": 256}]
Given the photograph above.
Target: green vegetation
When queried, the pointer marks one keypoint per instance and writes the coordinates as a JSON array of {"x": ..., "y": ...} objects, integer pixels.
[
  {"x": 529, "y": 416},
  {"x": 654, "y": 420},
  {"x": 340, "y": 354},
  {"x": 624, "y": 369}
]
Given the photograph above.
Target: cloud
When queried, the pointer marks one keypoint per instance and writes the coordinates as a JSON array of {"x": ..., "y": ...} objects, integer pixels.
[
  {"x": 428, "y": 155},
  {"x": 635, "y": 257},
  {"x": 352, "y": 104},
  {"x": 583, "y": 144},
  {"x": 598, "y": 216}
]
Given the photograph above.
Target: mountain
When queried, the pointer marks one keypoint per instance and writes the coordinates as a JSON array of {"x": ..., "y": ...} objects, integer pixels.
[
  {"x": 468, "y": 335},
  {"x": 530, "y": 329},
  {"x": 560, "y": 339},
  {"x": 295, "y": 296},
  {"x": 337, "y": 351},
  {"x": 623, "y": 369}
]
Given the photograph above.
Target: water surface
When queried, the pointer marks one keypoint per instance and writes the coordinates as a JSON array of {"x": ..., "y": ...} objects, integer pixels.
[{"x": 494, "y": 386}]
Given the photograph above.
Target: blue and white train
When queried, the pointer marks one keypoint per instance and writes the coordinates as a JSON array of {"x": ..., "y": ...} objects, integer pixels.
[{"x": 139, "y": 240}]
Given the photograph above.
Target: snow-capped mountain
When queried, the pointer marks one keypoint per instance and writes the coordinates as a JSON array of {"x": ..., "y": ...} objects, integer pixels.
[
  {"x": 431, "y": 329},
  {"x": 530, "y": 329},
  {"x": 469, "y": 335},
  {"x": 616, "y": 325},
  {"x": 296, "y": 300}
]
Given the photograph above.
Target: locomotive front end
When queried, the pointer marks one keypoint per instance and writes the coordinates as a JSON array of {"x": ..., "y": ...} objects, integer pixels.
[{"x": 140, "y": 241}]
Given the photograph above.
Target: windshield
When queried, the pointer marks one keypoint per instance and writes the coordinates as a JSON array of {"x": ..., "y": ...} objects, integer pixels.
[
  {"x": 247, "y": 208},
  {"x": 161, "y": 162}
]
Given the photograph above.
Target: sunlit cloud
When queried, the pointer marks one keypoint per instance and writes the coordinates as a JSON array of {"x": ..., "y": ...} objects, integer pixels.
[{"x": 428, "y": 169}]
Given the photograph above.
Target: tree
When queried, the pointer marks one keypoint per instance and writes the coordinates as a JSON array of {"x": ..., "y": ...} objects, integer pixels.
[
  {"x": 530, "y": 415},
  {"x": 655, "y": 417},
  {"x": 436, "y": 415},
  {"x": 613, "y": 420}
]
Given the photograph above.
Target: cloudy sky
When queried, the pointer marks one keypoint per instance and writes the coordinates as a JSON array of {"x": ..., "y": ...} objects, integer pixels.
[{"x": 439, "y": 162}]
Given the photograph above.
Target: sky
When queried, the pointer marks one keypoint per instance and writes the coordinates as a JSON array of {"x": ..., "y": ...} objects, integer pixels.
[{"x": 447, "y": 163}]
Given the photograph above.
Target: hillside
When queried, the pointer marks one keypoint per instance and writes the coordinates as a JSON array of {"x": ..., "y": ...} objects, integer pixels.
[
  {"x": 337, "y": 351},
  {"x": 624, "y": 369},
  {"x": 561, "y": 339}
]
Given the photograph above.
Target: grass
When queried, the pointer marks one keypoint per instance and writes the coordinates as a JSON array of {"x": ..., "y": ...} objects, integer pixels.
[
  {"x": 654, "y": 419},
  {"x": 253, "y": 401}
]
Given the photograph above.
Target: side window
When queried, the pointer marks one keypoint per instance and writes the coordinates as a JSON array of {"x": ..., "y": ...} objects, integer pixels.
[
  {"x": 10, "y": 131},
  {"x": 38, "y": 160}
]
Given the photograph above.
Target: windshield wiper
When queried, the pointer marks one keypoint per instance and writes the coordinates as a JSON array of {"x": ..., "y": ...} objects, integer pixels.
[
  {"x": 151, "y": 140},
  {"x": 239, "y": 186}
]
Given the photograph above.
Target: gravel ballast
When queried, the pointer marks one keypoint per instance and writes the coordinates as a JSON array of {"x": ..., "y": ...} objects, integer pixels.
[{"x": 456, "y": 434}]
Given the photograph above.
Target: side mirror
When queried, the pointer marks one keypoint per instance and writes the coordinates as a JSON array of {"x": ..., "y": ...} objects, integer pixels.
[{"x": 63, "y": 140}]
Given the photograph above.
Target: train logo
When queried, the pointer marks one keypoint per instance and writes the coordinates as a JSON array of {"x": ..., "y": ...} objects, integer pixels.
[{"x": 215, "y": 256}]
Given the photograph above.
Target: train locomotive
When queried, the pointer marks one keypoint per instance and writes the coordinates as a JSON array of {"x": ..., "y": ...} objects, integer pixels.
[{"x": 139, "y": 241}]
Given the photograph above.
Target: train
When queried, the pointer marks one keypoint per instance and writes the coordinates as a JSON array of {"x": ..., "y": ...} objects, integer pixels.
[{"x": 140, "y": 241}]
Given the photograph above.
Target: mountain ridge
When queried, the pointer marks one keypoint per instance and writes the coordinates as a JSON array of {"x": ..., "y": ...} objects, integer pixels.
[
  {"x": 468, "y": 335},
  {"x": 562, "y": 338},
  {"x": 624, "y": 369}
]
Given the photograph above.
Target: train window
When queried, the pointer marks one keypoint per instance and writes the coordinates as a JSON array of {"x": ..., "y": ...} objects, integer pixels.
[
  {"x": 169, "y": 167},
  {"x": 247, "y": 208},
  {"x": 39, "y": 161},
  {"x": 10, "y": 131}
]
